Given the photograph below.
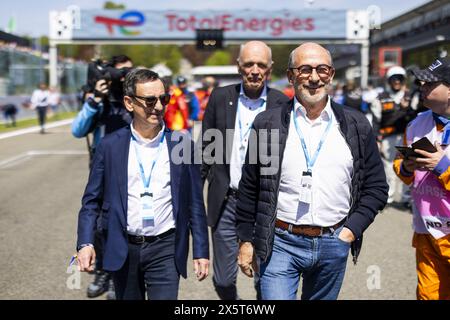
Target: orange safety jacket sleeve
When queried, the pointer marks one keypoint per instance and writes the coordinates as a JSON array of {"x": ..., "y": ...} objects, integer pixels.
[{"x": 399, "y": 170}]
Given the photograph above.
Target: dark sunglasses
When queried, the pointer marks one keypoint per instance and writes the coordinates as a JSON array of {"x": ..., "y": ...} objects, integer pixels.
[
  {"x": 323, "y": 70},
  {"x": 397, "y": 77},
  {"x": 150, "y": 101}
]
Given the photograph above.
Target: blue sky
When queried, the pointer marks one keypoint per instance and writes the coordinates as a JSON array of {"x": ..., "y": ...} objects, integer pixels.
[{"x": 32, "y": 16}]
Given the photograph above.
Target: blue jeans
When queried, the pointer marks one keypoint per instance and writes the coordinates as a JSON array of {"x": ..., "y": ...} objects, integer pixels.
[{"x": 321, "y": 261}]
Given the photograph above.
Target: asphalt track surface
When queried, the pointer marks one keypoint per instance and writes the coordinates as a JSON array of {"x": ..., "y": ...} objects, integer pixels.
[{"x": 42, "y": 178}]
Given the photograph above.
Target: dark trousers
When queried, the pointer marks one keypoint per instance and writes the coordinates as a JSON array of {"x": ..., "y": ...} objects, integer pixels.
[
  {"x": 150, "y": 268},
  {"x": 10, "y": 116},
  {"x": 226, "y": 249},
  {"x": 42, "y": 111},
  {"x": 98, "y": 245}
]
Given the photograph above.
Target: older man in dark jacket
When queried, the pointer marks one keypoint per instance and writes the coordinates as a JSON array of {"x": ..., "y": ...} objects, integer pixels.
[
  {"x": 227, "y": 121},
  {"x": 305, "y": 209}
]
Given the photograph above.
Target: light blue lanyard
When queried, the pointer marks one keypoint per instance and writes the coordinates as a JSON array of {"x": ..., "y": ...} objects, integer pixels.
[
  {"x": 262, "y": 107},
  {"x": 445, "y": 122},
  {"x": 310, "y": 162},
  {"x": 446, "y": 134},
  {"x": 141, "y": 168}
]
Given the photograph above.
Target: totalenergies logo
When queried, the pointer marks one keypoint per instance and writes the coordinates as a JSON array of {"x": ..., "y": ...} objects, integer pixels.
[{"x": 128, "y": 19}]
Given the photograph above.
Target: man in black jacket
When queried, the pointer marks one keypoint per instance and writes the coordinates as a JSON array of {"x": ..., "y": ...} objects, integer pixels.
[
  {"x": 226, "y": 128},
  {"x": 302, "y": 212}
]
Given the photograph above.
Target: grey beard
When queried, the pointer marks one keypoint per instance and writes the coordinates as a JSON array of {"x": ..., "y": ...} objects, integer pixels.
[{"x": 313, "y": 99}]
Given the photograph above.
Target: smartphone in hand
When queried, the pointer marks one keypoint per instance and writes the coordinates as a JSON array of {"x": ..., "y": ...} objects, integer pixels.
[{"x": 422, "y": 144}]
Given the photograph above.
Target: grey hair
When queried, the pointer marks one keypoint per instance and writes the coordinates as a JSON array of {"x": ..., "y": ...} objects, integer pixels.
[{"x": 291, "y": 59}]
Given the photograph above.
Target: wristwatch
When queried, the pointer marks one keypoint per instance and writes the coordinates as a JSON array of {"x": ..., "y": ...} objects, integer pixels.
[{"x": 81, "y": 246}]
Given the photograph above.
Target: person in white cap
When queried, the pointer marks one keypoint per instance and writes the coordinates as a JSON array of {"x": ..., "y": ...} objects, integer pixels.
[{"x": 392, "y": 111}]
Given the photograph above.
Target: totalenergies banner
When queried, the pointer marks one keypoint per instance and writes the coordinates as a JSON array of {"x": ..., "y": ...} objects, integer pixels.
[{"x": 237, "y": 25}]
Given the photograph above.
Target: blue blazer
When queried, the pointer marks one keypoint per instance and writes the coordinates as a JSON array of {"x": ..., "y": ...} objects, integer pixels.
[{"x": 107, "y": 193}]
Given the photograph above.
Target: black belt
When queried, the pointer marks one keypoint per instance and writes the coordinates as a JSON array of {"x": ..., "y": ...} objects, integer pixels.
[
  {"x": 307, "y": 230},
  {"x": 149, "y": 239},
  {"x": 232, "y": 192}
]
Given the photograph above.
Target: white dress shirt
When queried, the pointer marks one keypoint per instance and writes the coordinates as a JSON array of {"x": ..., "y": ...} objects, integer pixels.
[
  {"x": 159, "y": 185},
  {"x": 247, "y": 111},
  {"x": 331, "y": 173}
]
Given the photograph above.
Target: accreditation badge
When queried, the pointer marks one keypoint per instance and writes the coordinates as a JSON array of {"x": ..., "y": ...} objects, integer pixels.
[
  {"x": 147, "y": 212},
  {"x": 305, "y": 194}
]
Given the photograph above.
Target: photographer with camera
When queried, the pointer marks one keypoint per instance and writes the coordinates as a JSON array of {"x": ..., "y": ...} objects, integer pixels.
[{"x": 103, "y": 112}]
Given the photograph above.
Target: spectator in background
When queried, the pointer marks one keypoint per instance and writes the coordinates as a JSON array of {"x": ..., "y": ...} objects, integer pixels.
[
  {"x": 9, "y": 112},
  {"x": 392, "y": 111},
  {"x": 289, "y": 91},
  {"x": 368, "y": 96},
  {"x": 189, "y": 98},
  {"x": 203, "y": 94},
  {"x": 352, "y": 96},
  {"x": 176, "y": 116},
  {"x": 39, "y": 102},
  {"x": 54, "y": 99},
  {"x": 338, "y": 94}
]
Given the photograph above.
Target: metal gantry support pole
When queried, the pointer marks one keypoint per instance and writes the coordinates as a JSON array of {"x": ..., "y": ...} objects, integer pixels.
[
  {"x": 364, "y": 63},
  {"x": 53, "y": 64}
]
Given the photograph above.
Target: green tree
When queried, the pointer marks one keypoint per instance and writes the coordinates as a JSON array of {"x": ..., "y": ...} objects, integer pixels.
[
  {"x": 173, "y": 57},
  {"x": 280, "y": 56},
  {"x": 110, "y": 5},
  {"x": 219, "y": 58},
  {"x": 146, "y": 55}
]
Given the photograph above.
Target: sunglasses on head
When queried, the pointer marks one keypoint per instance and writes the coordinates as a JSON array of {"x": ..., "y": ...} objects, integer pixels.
[{"x": 150, "y": 101}]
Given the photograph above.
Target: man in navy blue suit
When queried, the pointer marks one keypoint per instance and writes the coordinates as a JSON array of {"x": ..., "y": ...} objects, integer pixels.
[{"x": 135, "y": 182}]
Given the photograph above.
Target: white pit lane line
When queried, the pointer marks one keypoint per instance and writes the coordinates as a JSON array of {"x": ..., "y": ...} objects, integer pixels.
[
  {"x": 13, "y": 161},
  {"x": 20, "y": 132}
]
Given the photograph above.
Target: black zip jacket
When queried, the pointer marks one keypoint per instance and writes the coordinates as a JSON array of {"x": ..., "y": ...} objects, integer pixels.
[{"x": 258, "y": 192}]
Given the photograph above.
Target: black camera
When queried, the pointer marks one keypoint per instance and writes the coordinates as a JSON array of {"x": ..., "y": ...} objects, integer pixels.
[
  {"x": 104, "y": 70},
  {"x": 97, "y": 70}
]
